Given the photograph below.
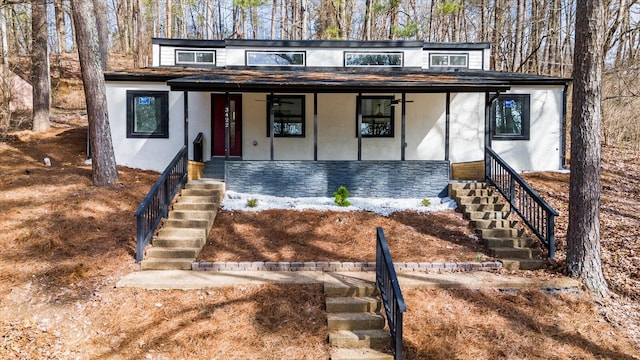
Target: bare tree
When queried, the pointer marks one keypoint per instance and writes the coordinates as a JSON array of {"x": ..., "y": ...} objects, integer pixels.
[
  {"x": 103, "y": 32},
  {"x": 41, "y": 80},
  {"x": 583, "y": 234},
  {"x": 104, "y": 171}
]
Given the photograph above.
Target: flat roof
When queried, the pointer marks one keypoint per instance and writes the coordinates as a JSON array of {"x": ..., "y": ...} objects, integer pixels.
[{"x": 333, "y": 80}]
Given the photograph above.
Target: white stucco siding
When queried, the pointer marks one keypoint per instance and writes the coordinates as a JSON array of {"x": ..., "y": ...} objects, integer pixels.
[
  {"x": 425, "y": 127},
  {"x": 542, "y": 151},
  {"x": 325, "y": 57},
  {"x": 466, "y": 132},
  {"x": 200, "y": 121},
  {"x": 148, "y": 154}
]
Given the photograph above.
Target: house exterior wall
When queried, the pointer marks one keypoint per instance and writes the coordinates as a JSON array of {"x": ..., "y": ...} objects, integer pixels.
[
  {"x": 541, "y": 152},
  {"x": 147, "y": 154},
  {"x": 337, "y": 140}
]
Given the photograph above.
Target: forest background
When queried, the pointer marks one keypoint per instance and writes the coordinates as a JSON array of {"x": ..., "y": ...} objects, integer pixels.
[{"x": 526, "y": 35}]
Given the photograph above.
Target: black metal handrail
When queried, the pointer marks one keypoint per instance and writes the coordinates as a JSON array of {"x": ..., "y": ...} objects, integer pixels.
[
  {"x": 198, "y": 147},
  {"x": 387, "y": 283},
  {"x": 155, "y": 205},
  {"x": 536, "y": 213}
]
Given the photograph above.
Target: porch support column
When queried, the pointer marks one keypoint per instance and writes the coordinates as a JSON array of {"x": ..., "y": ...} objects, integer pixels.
[
  {"x": 447, "y": 126},
  {"x": 489, "y": 99},
  {"x": 359, "y": 124},
  {"x": 403, "y": 127},
  {"x": 271, "y": 122},
  {"x": 186, "y": 118},
  {"x": 315, "y": 126},
  {"x": 227, "y": 126}
]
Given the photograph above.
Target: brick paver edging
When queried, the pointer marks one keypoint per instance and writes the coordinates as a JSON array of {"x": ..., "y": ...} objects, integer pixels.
[{"x": 343, "y": 266}]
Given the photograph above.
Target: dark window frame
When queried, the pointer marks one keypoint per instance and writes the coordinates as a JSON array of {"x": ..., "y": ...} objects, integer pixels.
[
  {"x": 303, "y": 53},
  {"x": 526, "y": 117},
  {"x": 302, "y": 115},
  {"x": 348, "y": 53},
  {"x": 163, "y": 130},
  {"x": 391, "y": 116}
]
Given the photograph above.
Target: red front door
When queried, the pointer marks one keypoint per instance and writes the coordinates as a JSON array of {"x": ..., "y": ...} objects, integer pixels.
[{"x": 219, "y": 119}]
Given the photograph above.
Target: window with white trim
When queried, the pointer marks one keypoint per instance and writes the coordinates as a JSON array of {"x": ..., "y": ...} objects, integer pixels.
[
  {"x": 195, "y": 57},
  {"x": 510, "y": 116},
  {"x": 449, "y": 60},
  {"x": 383, "y": 59},
  {"x": 377, "y": 116},
  {"x": 275, "y": 58}
]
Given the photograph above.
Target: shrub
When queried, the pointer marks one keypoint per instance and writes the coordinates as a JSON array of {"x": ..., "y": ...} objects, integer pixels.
[
  {"x": 426, "y": 202},
  {"x": 252, "y": 202},
  {"x": 341, "y": 196}
]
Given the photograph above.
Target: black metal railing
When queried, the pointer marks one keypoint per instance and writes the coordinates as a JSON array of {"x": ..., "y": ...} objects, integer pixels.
[
  {"x": 535, "y": 212},
  {"x": 387, "y": 283},
  {"x": 155, "y": 205},
  {"x": 198, "y": 147}
]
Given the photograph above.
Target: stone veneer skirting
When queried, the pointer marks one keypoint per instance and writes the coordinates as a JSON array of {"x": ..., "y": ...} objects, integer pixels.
[
  {"x": 343, "y": 266},
  {"x": 370, "y": 178}
]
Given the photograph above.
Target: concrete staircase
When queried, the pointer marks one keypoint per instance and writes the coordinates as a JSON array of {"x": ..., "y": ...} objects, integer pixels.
[
  {"x": 505, "y": 237},
  {"x": 184, "y": 233},
  {"x": 356, "y": 327}
]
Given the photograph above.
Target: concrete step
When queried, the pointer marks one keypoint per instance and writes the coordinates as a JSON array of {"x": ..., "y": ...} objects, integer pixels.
[
  {"x": 349, "y": 290},
  {"x": 524, "y": 264},
  {"x": 354, "y": 321},
  {"x": 352, "y": 304},
  {"x": 467, "y": 185},
  {"x": 156, "y": 252},
  {"x": 486, "y": 215},
  {"x": 522, "y": 242},
  {"x": 186, "y": 224},
  {"x": 495, "y": 223},
  {"x": 483, "y": 207},
  {"x": 198, "y": 199},
  {"x": 475, "y": 192},
  {"x": 179, "y": 242},
  {"x": 515, "y": 253},
  {"x": 204, "y": 184},
  {"x": 500, "y": 233},
  {"x": 209, "y": 216},
  {"x": 359, "y": 354},
  {"x": 479, "y": 200},
  {"x": 176, "y": 233},
  {"x": 166, "y": 264},
  {"x": 201, "y": 192},
  {"x": 373, "y": 339},
  {"x": 196, "y": 206}
]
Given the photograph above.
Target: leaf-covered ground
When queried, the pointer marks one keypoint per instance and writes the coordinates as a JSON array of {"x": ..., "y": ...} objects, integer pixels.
[{"x": 64, "y": 244}]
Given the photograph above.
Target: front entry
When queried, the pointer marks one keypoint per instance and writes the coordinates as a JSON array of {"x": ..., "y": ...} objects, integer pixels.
[{"x": 218, "y": 119}]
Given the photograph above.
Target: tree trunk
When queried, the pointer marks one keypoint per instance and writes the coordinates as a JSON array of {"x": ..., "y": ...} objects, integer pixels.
[
  {"x": 41, "y": 80},
  {"x": 104, "y": 171},
  {"x": 583, "y": 234},
  {"x": 61, "y": 30},
  {"x": 103, "y": 32}
]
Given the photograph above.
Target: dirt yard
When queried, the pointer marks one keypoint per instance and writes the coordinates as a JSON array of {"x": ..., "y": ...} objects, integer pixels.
[{"x": 65, "y": 243}]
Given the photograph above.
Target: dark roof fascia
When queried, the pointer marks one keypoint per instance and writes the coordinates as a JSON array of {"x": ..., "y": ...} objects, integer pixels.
[
  {"x": 188, "y": 42},
  {"x": 150, "y": 76},
  {"x": 325, "y": 43},
  {"x": 456, "y": 46},
  {"x": 517, "y": 78}
]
